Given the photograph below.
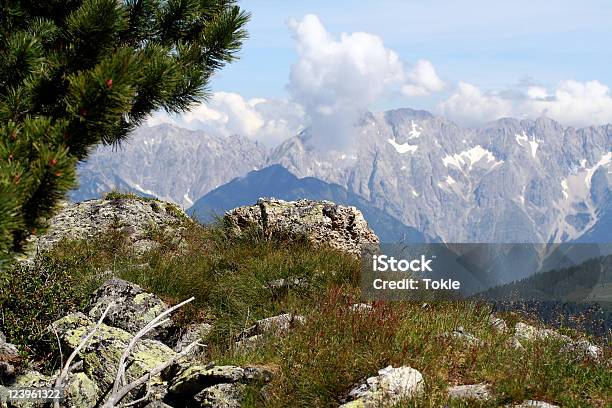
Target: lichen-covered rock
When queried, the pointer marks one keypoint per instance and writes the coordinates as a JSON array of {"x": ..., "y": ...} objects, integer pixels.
[
  {"x": 477, "y": 392},
  {"x": 102, "y": 354},
  {"x": 80, "y": 391},
  {"x": 258, "y": 373},
  {"x": 194, "y": 332},
  {"x": 280, "y": 324},
  {"x": 196, "y": 377},
  {"x": 389, "y": 387},
  {"x": 132, "y": 216},
  {"x": 132, "y": 308},
  {"x": 321, "y": 222},
  {"x": 221, "y": 396},
  {"x": 31, "y": 379}
]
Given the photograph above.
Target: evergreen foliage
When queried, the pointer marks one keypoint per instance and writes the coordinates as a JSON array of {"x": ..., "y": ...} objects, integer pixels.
[{"x": 77, "y": 73}]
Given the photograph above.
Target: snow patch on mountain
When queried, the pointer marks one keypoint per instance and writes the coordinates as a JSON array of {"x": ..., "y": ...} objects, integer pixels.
[
  {"x": 577, "y": 212},
  {"x": 415, "y": 132},
  {"x": 470, "y": 158},
  {"x": 534, "y": 147},
  {"x": 402, "y": 148},
  {"x": 531, "y": 141},
  {"x": 520, "y": 139}
]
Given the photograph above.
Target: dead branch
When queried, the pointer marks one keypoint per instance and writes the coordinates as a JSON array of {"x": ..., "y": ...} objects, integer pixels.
[
  {"x": 68, "y": 365},
  {"x": 120, "y": 377},
  {"x": 122, "y": 392}
]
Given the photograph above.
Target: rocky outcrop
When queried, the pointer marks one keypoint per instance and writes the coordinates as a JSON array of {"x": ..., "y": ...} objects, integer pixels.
[
  {"x": 221, "y": 396},
  {"x": 132, "y": 308},
  {"x": 321, "y": 222},
  {"x": 390, "y": 386},
  {"x": 193, "y": 379},
  {"x": 132, "y": 216},
  {"x": 183, "y": 382},
  {"x": 104, "y": 350},
  {"x": 215, "y": 386},
  {"x": 193, "y": 332}
]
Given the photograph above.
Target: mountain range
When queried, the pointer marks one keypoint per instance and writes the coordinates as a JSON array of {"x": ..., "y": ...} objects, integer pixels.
[
  {"x": 169, "y": 163},
  {"x": 508, "y": 181}
]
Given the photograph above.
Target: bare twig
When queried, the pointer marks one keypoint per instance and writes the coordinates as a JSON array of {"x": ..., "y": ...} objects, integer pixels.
[
  {"x": 116, "y": 397},
  {"x": 68, "y": 365},
  {"x": 59, "y": 345},
  {"x": 159, "y": 320},
  {"x": 146, "y": 396},
  {"x": 76, "y": 365}
]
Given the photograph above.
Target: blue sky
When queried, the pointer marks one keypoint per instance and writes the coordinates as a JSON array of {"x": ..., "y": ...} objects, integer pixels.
[
  {"x": 322, "y": 63},
  {"x": 492, "y": 44}
]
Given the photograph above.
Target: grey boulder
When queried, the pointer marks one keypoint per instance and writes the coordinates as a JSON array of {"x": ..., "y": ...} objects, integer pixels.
[
  {"x": 323, "y": 223},
  {"x": 132, "y": 308},
  {"x": 477, "y": 392},
  {"x": 390, "y": 386},
  {"x": 280, "y": 325},
  {"x": 221, "y": 396}
]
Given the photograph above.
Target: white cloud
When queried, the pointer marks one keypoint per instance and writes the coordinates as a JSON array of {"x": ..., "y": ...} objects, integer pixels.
[
  {"x": 469, "y": 105},
  {"x": 337, "y": 79},
  {"x": 572, "y": 103},
  {"x": 266, "y": 120},
  {"x": 424, "y": 79},
  {"x": 537, "y": 92},
  {"x": 333, "y": 82}
]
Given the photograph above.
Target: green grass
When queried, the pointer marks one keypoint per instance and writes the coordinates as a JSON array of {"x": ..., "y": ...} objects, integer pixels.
[
  {"x": 317, "y": 363},
  {"x": 121, "y": 195}
]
